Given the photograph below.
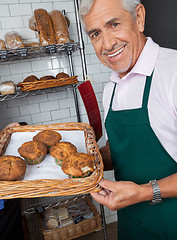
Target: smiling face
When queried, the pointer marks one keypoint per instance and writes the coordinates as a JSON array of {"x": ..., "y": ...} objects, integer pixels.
[{"x": 116, "y": 36}]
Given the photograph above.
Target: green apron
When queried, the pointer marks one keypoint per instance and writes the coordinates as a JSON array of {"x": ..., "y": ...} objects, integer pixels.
[{"x": 138, "y": 156}]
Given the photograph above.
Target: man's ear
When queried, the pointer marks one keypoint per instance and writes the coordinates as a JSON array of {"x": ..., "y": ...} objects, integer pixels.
[{"x": 140, "y": 17}]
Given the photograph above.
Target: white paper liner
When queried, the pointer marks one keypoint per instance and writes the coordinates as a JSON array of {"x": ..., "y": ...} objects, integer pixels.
[{"x": 48, "y": 169}]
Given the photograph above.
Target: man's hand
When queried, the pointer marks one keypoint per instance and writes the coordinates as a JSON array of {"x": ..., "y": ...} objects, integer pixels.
[
  {"x": 14, "y": 124},
  {"x": 117, "y": 195}
]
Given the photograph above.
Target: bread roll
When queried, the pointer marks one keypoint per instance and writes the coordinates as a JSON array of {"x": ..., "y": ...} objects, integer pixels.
[
  {"x": 44, "y": 27},
  {"x": 7, "y": 87},
  {"x": 30, "y": 78},
  {"x": 13, "y": 40},
  {"x": 11, "y": 168},
  {"x": 62, "y": 75},
  {"x": 2, "y": 45},
  {"x": 60, "y": 27},
  {"x": 47, "y": 77}
]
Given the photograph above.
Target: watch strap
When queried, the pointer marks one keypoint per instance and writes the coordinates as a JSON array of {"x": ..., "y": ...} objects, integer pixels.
[{"x": 156, "y": 192}]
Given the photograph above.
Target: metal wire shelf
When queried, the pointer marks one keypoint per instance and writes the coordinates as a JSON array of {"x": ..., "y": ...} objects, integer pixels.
[
  {"x": 19, "y": 94},
  {"x": 31, "y": 52}
]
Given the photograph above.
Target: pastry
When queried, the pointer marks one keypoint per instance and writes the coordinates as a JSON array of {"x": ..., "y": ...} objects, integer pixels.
[
  {"x": 60, "y": 27},
  {"x": 33, "y": 152},
  {"x": 48, "y": 137},
  {"x": 62, "y": 150},
  {"x": 78, "y": 165},
  {"x": 12, "y": 168},
  {"x": 44, "y": 27}
]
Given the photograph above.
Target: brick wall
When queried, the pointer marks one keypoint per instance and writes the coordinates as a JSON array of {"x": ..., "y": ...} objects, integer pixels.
[{"x": 53, "y": 107}]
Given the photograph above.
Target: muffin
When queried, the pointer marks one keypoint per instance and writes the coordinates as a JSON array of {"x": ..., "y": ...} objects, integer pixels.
[
  {"x": 33, "y": 152},
  {"x": 48, "y": 137},
  {"x": 78, "y": 165},
  {"x": 12, "y": 168},
  {"x": 62, "y": 150},
  {"x": 62, "y": 75}
]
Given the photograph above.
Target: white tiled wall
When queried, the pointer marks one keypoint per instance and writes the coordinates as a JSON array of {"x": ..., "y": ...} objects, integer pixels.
[{"x": 52, "y": 107}]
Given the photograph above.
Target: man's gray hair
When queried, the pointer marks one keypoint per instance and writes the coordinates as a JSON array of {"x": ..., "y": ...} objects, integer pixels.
[{"x": 86, "y": 5}]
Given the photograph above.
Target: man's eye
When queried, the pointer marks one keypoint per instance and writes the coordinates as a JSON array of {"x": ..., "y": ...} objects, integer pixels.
[
  {"x": 115, "y": 24},
  {"x": 95, "y": 35}
]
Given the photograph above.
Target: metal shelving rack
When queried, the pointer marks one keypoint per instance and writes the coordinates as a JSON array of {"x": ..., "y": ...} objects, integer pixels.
[{"x": 30, "y": 206}]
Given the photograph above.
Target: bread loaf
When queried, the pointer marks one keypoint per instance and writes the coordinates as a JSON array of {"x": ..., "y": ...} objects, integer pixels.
[
  {"x": 2, "y": 45},
  {"x": 44, "y": 27},
  {"x": 13, "y": 40},
  {"x": 60, "y": 27}
]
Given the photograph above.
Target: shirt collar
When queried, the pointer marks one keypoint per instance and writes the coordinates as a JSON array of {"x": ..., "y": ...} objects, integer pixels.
[{"x": 145, "y": 63}]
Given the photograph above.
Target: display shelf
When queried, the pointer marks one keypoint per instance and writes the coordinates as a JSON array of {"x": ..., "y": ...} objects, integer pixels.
[
  {"x": 32, "y": 52},
  {"x": 19, "y": 94}
]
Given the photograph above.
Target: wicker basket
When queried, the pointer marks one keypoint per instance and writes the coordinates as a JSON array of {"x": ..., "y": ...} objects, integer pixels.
[
  {"x": 74, "y": 230},
  {"x": 54, "y": 187},
  {"x": 42, "y": 84}
]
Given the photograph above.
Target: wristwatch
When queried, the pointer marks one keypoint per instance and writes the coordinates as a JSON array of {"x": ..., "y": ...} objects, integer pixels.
[{"x": 156, "y": 192}]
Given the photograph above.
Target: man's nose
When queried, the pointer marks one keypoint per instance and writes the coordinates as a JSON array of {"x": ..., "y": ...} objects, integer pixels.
[{"x": 108, "y": 41}]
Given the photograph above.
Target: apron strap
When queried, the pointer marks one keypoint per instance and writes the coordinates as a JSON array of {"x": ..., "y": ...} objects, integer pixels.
[
  {"x": 147, "y": 90},
  {"x": 110, "y": 106},
  {"x": 145, "y": 94}
]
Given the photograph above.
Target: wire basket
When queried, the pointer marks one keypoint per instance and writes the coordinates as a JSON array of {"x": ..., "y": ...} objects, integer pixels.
[
  {"x": 54, "y": 187},
  {"x": 74, "y": 230},
  {"x": 42, "y": 84}
]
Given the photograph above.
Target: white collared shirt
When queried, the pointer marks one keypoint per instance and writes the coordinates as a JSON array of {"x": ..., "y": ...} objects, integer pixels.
[{"x": 162, "y": 104}]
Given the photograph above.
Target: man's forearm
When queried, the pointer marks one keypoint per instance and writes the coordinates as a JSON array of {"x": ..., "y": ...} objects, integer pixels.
[{"x": 168, "y": 188}]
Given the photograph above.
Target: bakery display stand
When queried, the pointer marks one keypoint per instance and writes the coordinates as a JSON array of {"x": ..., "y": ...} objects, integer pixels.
[{"x": 32, "y": 207}]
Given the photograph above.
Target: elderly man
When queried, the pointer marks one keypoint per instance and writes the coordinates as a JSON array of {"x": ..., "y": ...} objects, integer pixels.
[{"x": 140, "y": 106}]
